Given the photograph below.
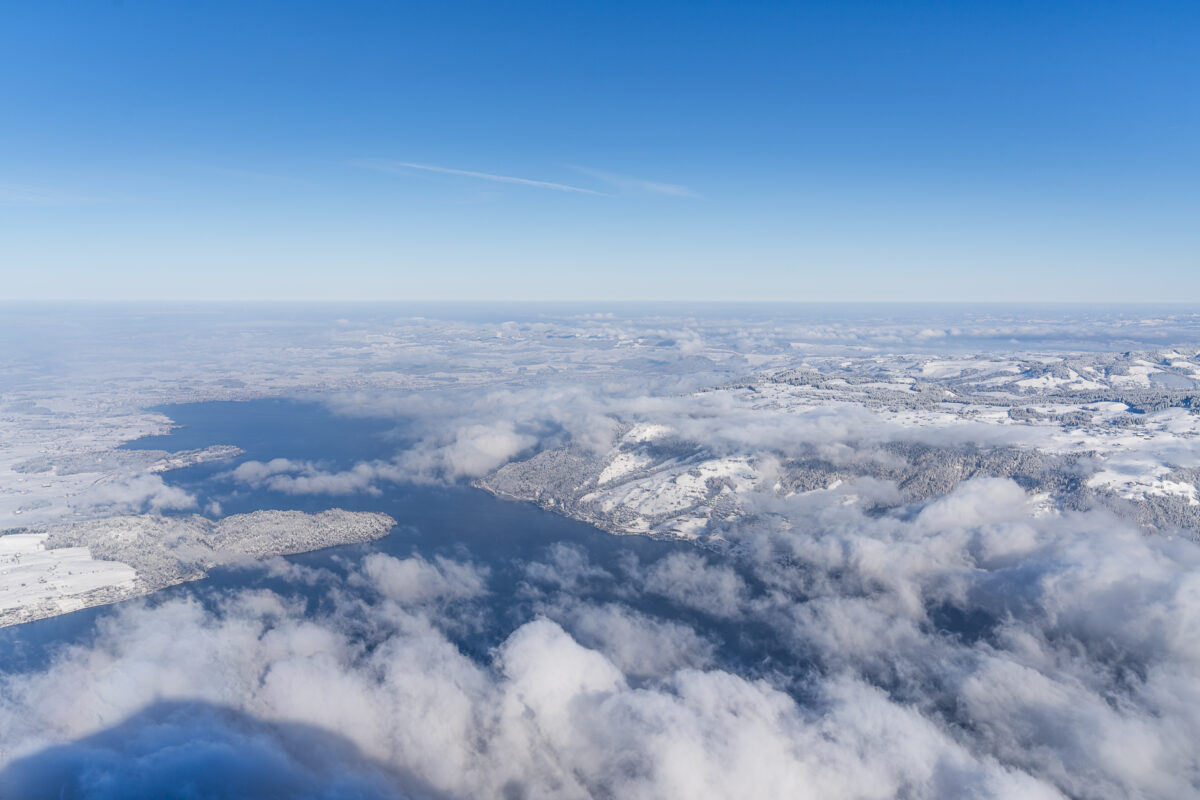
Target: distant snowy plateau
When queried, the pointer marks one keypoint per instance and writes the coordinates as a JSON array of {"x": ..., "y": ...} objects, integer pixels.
[
  {"x": 674, "y": 427},
  {"x": 1075, "y": 432}
]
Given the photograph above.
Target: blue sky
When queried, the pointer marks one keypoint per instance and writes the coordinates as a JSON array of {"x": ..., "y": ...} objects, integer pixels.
[{"x": 667, "y": 151}]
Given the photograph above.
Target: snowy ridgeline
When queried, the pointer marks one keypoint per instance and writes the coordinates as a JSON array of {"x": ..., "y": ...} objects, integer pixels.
[
  {"x": 105, "y": 461},
  {"x": 1109, "y": 430},
  {"x": 682, "y": 489},
  {"x": 63, "y": 568}
]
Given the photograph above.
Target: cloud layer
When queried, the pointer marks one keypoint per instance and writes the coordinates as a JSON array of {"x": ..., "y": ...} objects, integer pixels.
[
  {"x": 971, "y": 646},
  {"x": 844, "y": 639}
]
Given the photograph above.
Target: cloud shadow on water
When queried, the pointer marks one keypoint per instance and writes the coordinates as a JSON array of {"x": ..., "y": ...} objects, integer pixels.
[{"x": 190, "y": 749}]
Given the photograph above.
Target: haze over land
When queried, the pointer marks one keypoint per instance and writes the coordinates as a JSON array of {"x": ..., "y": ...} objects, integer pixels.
[
  {"x": 608, "y": 400},
  {"x": 912, "y": 550}
]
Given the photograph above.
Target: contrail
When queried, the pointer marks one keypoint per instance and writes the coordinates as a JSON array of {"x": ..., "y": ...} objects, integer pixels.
[{"x": 392, "y": 166}]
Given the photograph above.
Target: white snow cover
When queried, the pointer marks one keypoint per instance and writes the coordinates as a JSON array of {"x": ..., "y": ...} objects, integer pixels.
[
  {"x": 55, "y": 581},
  {"x": 970, "y": 639}
]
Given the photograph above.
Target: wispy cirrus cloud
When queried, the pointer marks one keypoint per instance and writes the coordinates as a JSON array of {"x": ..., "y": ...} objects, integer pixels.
[
  {"x": 630, "y": 183},
  {"x": 400, "y": 166}
]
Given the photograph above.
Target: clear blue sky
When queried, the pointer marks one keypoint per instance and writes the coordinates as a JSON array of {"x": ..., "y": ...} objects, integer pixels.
[{"x": 574, "y": 150}]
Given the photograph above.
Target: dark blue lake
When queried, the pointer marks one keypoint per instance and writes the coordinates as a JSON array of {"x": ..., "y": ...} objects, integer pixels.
[{"x": 458, "y": 522}]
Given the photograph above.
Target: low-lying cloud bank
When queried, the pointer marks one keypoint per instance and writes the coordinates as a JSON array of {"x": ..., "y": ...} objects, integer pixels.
[
  {"x": 466, "y": 451},
  {"x": 977, "y": 645},
  {"x": 846, "y": 636}
]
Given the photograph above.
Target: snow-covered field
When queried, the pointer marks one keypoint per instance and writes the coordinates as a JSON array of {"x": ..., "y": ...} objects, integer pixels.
[
  {"x": 811, "y": 426},
  {"x": 662, "y": 424},
  {"x": 63, "y": 568},
  {"x": 935, "y": 556},
  {"x": 38, "y": 581}
]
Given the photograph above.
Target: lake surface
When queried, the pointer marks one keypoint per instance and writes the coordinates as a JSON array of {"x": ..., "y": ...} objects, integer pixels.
[{"x": 457, "y": 522}]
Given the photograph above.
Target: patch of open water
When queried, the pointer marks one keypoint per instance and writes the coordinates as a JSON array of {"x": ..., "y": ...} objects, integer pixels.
[{"x": 458, "y": 522}]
